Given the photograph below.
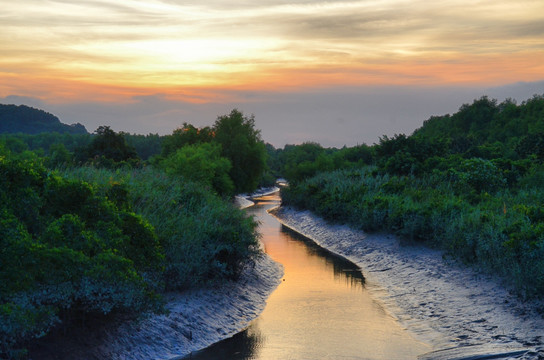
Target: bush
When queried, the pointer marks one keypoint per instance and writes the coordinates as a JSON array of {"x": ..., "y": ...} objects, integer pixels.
[
  {"x": 65, "y": 250},
  {"x": 205, "y": 238},
  {"x": 201, "y": 163},
  {"x": 481, "y": 175}
]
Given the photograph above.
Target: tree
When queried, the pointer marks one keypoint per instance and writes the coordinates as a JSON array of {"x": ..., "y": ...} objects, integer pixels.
[
  {"x": 110, "y": 145},
  {"x": 59, "y": 156},
  {"x": 185, "y": 135},
  {"x": 146, "y": 146},
  {"x": 304, "y": 161},
  {"x": 202, "y": 163},
  {"x": 241, "y": 143}
]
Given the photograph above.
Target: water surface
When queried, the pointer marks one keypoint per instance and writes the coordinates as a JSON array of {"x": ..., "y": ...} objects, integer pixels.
[{"x": 321, "y": 309}]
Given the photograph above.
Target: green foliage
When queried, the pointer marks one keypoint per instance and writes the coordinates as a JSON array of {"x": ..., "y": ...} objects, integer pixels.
[
  {"x": 486, "y": 121},
  {"x": 107, "y": 148},
  {"x": 59, "y": 156},
  {"x": 14, "y": 144},
  {"x": 93, "y": 241},
  {"x": 145, "y": 146},
  {"x": 502, "y": 233},
  {"x": 19, "y": 323},
  {"x": 532, "y": 144},
  {"x": 241, "y": 143},
  {"x": 201, "y": 163},
  {"x": 193, "y": 153},
  {"x": 203, "y": 236},
  {"x": 303, "y": 161},
  {"x": 478, "y": 175},
  {"x": 186, "y": 135},
  {"x": 47, "y": 144},
  {"x": 402, "y": 155},
  {"x": 299, "y": 162},
  {"x": 357, "y": 156},
  {"x": 66, "y": 250}
]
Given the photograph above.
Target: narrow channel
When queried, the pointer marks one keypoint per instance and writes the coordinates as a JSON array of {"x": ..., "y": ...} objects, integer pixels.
[{"x": 321, "y": 309}]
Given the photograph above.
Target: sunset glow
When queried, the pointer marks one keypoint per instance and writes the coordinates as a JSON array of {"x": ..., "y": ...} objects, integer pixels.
[
  {"x": 161, "y": 45},
  {"x": 62, "y": 51}
]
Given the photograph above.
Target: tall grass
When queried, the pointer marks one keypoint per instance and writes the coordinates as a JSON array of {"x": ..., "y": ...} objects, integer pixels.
[{"x": 501, "y": 233}]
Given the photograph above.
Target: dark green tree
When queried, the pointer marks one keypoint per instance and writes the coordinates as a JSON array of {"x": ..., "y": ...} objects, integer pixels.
[
  {"x": 185, "y": 135},
  {"x": 59, "y": 156},
  {"x": 301, "y": 161},
  {"x": 67, "y": 252},
  {"x": 109, "y": 145},
  {"x": 241, "y": 143},
  {"x": 146, "y": 146}
]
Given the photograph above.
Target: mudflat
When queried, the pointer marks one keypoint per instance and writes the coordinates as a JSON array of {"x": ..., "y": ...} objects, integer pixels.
[{"x": 445, "y": 304}]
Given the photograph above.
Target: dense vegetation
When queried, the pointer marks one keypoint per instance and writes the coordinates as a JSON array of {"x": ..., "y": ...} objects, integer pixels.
[
  {"x": 101, "y": 224},
  {"x": 230, "y": 155},
  {"x": 24, "y": 119},
  {"x": 203, "y": 237},
  {"x": 469, "y": 183},
  {"x": 88, "y": 228}
]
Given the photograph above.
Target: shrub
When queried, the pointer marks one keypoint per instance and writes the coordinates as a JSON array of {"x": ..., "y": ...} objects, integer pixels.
[
  {"x": 203, "y": 236},
  {"x": 67, "y": 249},
  {"x": 201, "y": 163}
]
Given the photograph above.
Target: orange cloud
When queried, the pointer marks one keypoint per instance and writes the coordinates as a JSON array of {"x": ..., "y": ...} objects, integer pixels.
[
  {"x": 99, "y": 51},
  {"x": 493, "y": 69}
]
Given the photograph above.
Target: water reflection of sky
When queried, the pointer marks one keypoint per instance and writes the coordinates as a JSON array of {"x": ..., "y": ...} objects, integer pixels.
[
  {"x": 321, "y": 310},
  {"x": 343, "y": 269}
]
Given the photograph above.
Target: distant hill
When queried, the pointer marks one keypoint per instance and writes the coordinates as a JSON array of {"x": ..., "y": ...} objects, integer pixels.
[{"x": 28, "y": 120}]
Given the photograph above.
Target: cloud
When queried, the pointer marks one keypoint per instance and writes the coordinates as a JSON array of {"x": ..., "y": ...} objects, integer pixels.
[
  {"x": 159, "y": 41},
  {"x": 330, "y": 71}
]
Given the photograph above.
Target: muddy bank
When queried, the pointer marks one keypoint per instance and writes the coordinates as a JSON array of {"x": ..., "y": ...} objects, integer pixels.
[
  {"x": 443, "y": 304},
  {"x": 195, "y": 320},
  {"x": 243, "y": 201}
]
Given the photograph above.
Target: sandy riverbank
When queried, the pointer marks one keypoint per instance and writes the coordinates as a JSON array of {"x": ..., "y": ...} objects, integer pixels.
[
  {"x": 440, "y": 302},
  {"x": 194, "y": 320}
]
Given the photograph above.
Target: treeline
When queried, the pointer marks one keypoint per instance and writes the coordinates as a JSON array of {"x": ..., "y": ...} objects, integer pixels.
[
  {"x": 97, "y": 231},
  {"x": 229, "y": 157},
  {"x": 470, "y": 183}
]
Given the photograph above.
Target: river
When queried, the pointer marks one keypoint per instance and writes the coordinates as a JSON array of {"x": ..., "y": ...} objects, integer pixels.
[{"x": 321, "y": 309}]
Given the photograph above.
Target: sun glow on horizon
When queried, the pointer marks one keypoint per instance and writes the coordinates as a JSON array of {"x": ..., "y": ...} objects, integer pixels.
[{"x": 64, "y": 50}]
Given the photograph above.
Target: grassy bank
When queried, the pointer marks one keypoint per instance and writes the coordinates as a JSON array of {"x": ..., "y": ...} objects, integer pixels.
[{"x": 501, "y": 232}]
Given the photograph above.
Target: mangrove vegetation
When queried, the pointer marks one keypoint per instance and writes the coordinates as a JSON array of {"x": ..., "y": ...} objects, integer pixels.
[
  {"x": 89, "y": 229},
  {"x": 470, "y": 183}
]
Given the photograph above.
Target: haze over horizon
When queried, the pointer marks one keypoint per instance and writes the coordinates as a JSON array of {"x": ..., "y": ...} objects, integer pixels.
[{"x": 335, "y": 72}]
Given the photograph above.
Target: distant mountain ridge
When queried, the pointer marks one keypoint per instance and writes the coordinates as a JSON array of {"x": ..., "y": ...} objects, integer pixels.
[{"x": 28, "y": 120}]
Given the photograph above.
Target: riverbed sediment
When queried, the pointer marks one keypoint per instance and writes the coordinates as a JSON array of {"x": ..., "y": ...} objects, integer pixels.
[{"x": 441, "y": 302}]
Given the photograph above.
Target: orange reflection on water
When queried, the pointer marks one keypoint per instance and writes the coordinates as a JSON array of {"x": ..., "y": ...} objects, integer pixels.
[{"x": 321, "y": 309}]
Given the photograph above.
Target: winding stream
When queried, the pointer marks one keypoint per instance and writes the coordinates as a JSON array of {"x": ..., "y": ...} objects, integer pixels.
[{"x": 321, "y": 310}]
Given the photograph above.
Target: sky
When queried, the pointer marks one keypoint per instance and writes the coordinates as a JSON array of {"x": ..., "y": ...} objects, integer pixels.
[{"x": 334, "y": 72}]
